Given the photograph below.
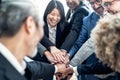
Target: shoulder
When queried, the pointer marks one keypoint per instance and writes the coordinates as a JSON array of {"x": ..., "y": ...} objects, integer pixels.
[
  {"x": 82, "y": 9},
  {"x": 87, "y": 18}
]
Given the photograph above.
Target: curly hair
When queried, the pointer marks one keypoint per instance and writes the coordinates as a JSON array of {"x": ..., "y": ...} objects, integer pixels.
[{"x": 106, "y": 36}]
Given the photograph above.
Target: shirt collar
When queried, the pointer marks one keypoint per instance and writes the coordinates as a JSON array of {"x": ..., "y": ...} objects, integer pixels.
[
  {"x": 11, "y": 58},
  {"x": 54, "y": 28}
]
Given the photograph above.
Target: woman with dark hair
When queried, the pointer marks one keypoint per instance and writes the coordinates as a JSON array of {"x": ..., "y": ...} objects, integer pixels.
[{"x": 54, "y": 18}]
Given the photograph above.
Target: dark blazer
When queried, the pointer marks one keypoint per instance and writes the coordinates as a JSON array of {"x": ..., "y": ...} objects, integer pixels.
[
  {"x": 74, "y": 26},
  {"x": 59, "y": 39},
  {"x": 95, "y": 66},
  {"x": 37, "y": 70},
  {"x": 7, "y": 71}
]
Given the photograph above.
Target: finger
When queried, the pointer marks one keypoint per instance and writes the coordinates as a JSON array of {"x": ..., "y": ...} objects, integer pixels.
[{"x": 54, "y": 56}]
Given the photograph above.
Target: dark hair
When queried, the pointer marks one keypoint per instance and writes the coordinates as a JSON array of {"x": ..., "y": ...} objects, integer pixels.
[
  {"x": 13, "y": 14},
  {"x": 55, "y": 4}
]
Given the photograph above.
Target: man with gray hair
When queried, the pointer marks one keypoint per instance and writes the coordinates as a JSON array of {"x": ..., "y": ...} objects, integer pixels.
[{"x": 20, "y": 32}]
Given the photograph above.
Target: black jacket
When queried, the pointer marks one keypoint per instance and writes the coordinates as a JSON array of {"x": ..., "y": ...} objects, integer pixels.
[
  {"x": 59, "y": 36},
  {"x": 74, "y": 27},
  {"x": 37, "y": 70},
  {"x": 7, "y": 71}
]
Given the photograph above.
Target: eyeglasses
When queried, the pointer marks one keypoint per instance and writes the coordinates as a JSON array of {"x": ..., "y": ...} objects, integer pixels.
[
  {"x": 106, "y": 4},
  {"x": 95, "y": 2},
  {"x": 92, "y": 3}
]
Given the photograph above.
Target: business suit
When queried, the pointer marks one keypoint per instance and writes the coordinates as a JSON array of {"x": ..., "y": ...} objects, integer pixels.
[
  {"x": 7, "y": 71},
  {"x": 59, "y": 36},
  {"x": 74, "y": 26}
]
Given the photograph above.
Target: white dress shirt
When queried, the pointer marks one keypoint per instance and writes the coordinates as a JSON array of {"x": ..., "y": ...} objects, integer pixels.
[
  {"x": 12, "y": 59},
  {"x": 52, "y": 34}
]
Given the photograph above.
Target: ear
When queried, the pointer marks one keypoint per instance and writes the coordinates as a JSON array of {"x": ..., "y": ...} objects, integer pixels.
[{"x": 29, "y": 24}]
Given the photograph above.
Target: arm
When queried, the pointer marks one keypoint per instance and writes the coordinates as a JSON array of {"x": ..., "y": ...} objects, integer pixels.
[
  {"x": 83, "y": 36},
  {"x": 55, "y": 52},
  {"x": 94, "y": 68},
  {"x": 40, "y": 70},
  {"x": 83, "y": 53},
  {"x": 75, "y": 29},
  {"x": 46, "y": 42}
]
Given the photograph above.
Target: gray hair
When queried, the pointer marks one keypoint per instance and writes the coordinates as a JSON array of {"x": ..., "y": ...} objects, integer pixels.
[{"x": 13, "y": 14}]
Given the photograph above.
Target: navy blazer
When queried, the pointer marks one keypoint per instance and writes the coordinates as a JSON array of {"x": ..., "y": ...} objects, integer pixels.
[
  {"x": 89, "y": 23},
  {"x": 96, "y": 67},
  {"x": 74, "y": 26},
  {"x": 7, "y": 71}
]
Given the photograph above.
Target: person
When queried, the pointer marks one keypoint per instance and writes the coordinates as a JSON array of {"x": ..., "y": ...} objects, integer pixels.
[
  {"x": 77, "y": 11},
  {"x": 89, "y": 23},
  {"x": 112, "y": 8},
  {"x": 54, "y": 19},
  {"x": 106, "y": 39},
  {"x": 20, "y": 32}
]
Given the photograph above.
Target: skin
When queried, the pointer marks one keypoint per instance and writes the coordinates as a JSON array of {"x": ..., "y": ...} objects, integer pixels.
[
  {"x": 54, "y": 17},
  {"x": 114, "y": 7},
  {"x": 97, "y": 6},
  {"x": 28, "y": 37},
  {"x": 73, "y": 4}
]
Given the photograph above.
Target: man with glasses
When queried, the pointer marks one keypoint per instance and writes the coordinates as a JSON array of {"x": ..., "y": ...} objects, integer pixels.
[{"x": 112, "y": 6}]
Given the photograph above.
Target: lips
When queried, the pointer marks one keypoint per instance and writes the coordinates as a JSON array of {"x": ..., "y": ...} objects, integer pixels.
[{"x": 53, "y": 22}]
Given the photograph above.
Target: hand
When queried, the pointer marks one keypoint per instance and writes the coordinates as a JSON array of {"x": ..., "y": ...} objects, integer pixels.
[
  {"x": 65, "y": 54},
  {"x": 50, "y": 57},
  {"x": 57, "y": 54}
]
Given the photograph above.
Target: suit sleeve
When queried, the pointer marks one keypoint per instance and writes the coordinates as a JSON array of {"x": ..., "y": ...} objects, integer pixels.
[
  {"x": 46, "y": 42},
  {"x": 94, "y": 68},
  {"x": 83, "y": 36},
  {"x": 75, "y": 29},
  {"x": 40, "y": 70}
]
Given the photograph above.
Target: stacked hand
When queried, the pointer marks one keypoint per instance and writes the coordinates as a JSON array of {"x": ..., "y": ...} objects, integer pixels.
[
  {"x": 61, "y": 59},
  {"x": 57, "y": 56}
]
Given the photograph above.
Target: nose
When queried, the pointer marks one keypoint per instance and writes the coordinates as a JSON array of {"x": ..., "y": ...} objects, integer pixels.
[{"x": 55, "y": 17}]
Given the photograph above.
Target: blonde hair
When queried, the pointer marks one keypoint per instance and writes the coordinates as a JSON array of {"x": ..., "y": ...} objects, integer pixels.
[{"x": 106, "y": 36}]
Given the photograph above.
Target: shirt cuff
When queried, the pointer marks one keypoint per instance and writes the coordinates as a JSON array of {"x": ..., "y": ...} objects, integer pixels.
[
  {"x": 56, "y": 69},
  {"x": 75, "y": 71}
]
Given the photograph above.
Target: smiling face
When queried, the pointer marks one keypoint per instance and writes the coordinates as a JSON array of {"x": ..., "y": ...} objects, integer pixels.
[
  {"x": 72, "y": 4},
  {"x": 53, "y": 18}
]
